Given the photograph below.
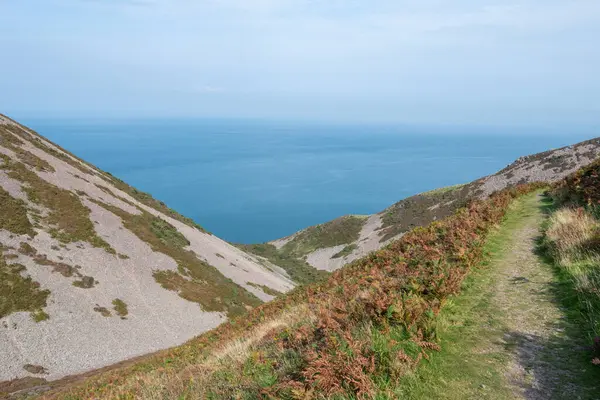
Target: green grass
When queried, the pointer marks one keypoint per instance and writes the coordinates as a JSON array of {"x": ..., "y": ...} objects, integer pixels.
[
  {"x": 299, "y": 270},
  {"x": 68, "y": 219},
  {"x": 443, "y": 190},
  {"x": 577, "y": 268},
  {"x": 148, "y": 200},
  {"x": 27, "y": 249},
  {"x": 344, "y": 230},
  {"x": 13, "y": 143},
  {"x": 105, "y": 312},
  {"x": 265, "y": 289},
  {"x": 466, "y": 368},
  {"x": 120, "y": 308},
  {"x": 17, "y": 292},
  {"x": 86, "y": 282},
  {"x": 13, "y": 217},
  {"x": 167, "y": 233},
  {"x": 35, "y": 139},
  {"x": 422, "y": 209},
  {"x": 40, "y": 316},
  {"x": 457, "y": 372},
  {"x": 345, "y": 251},
  {"x": 196, "y": 280}
]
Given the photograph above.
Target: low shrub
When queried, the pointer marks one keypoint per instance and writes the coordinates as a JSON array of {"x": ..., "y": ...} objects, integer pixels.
[
  {"x": 351, "y": 336},
  {"x": 572, "y": 239}
]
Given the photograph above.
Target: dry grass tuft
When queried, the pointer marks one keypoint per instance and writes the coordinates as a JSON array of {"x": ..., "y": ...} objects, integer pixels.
[{"x": 571, "y": 231}]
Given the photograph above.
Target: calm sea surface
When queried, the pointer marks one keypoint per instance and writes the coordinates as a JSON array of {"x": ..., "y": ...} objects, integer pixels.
[{"x": 250, "y": 181}]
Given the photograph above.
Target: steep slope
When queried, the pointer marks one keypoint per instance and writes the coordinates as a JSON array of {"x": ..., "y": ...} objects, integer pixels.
[
  {"x": 331, "y": 245},
  {"x": 93, "y": 271},
  {"x": 354, "y": 335}
]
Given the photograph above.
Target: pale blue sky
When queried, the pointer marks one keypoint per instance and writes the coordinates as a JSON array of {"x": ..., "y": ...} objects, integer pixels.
[{"x": 488, "y": 62}]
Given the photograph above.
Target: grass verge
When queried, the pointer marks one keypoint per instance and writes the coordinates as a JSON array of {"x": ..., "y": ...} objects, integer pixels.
[{"x": 458, "y": 372}]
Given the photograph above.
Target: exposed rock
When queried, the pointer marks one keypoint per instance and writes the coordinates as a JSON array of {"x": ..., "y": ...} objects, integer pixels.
[{"x": 77, "y": 226}]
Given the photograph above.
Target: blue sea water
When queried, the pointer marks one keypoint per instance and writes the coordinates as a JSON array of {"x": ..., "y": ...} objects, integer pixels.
[{"x": 254, "y": 181}]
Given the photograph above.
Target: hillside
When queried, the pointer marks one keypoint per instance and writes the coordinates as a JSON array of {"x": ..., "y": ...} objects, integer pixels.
[
  {"x": 331, "y": 245},
  {"x": 93, "y": 271},
  {"x": 394, "y": 324}
]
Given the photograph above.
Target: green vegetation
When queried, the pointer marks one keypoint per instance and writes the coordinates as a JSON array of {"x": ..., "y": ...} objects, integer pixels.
[
  {"x": 202, "y": 283},
  {"x": 345, "y": 251},
  {"x": 35, "y": 369},
  {"x": 83, "y": 166},
  {"x": 299, "y": 270},
  {"x": 442, "y": 190},
  {"x": 168, "y": 234},
  {"x": 64, "y": 269},
  {"x": 14, "y": 215},
  {"x": 344, "y": 230},
  {"x": 34, "y": 161},
  {"x": 27, "y": 249},
  {"x": 11, "y": 142},
  {"x": 469, "y": 322},
  {"x": 120, "y": 308},
  {"x": 266, "y": 289},
  {"x": 36, "y": 140},
  {"x": 68, "y": 218},
  {"x": 19, "y": 293},
  {"x": 572, "y": 242},
  {"x": 40, "y": 315},
  {"x": 422, "y": 209},
  {"x": 355, "y": 335},
  {"x": 86, "y": 282},
  {"x": 103, "y": 311},
  {"x": 148, "y": 200}
]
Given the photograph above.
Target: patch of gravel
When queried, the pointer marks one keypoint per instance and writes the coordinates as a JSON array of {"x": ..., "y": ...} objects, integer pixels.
[
  {"x": 65, "y": 177},
  {"x": 76, "y": 338},
  {"x": 323, "y": 258},
  {"x": 12, "y": 186},
  {"x": 204, "y": 245},
  {"x": 368, "y": 241}
]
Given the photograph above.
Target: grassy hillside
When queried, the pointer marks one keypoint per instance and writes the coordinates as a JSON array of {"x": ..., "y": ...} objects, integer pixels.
[
  {"x": 68, "y": 220},
  {"x": 352, "y": 336},
  {"x": 94, "y": 272},
  {"x": 344, "y": 230},
  {"x": 423, "y": 208},
  {"x": 298, "y": 269},
  {"x": 292, "y": 255},
  {"x": 8, "y": 133},
  {"x": 572, "y": 240}
]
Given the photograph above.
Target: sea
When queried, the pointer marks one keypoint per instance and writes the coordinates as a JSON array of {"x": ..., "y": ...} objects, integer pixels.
[{"x": 252, "y": 181}]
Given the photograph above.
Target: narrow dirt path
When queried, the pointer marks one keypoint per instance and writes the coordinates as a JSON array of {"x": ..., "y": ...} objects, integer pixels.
[
  {"x": 544, "y": 344},
  {"x": 510, "y": 334}
]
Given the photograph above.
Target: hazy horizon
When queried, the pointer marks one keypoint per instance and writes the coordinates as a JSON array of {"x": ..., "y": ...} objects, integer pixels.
[{"x": 468, "y": 63}]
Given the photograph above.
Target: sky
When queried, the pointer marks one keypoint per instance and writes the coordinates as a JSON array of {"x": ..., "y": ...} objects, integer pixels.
[{"x": 476, "y": 62}]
